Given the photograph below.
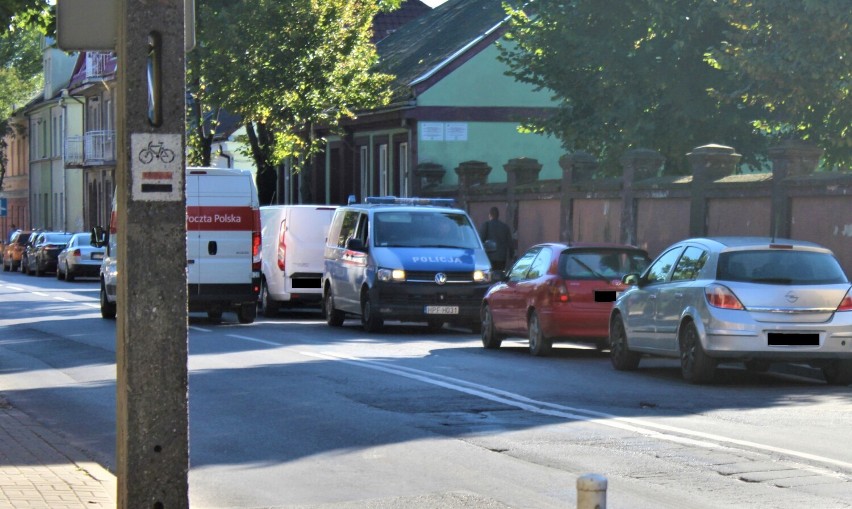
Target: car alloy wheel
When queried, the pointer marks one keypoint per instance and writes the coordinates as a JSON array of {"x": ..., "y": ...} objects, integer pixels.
[
  {"x": 695, "y": 365},
  {"x": 490, "y": 339},
  {"x": 620, "y": 355},
  {"x": 540, "y": 346}
]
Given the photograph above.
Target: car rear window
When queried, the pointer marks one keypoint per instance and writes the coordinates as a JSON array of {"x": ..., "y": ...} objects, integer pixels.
[
  {"x": 601, "y": 263},
  {"x": 782, "y": 267}
]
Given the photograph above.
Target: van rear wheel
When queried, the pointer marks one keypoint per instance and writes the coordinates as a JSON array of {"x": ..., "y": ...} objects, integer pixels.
[
  {"x": 333, "y": 317},
  {"x": 247, "y": 312},
  {"x": 269, "y": 306}
]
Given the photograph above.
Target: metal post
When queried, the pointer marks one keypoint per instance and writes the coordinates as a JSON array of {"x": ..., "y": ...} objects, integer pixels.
[
  {"x": 151, "y": 330},
  {"x": 591, "y": 491}
]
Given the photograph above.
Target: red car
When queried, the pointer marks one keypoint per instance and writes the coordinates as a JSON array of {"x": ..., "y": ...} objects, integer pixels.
[{"x": 559, "y": 292}]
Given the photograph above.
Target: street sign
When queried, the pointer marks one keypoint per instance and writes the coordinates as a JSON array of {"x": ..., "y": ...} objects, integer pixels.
[{"x": 3, "y": 207}]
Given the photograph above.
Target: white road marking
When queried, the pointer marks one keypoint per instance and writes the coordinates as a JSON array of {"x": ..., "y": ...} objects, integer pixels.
[{"x": 668, "y": 433}]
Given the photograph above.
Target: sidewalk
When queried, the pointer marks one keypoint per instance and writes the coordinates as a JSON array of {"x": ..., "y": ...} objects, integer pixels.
[{"x": 39, "y": 470}]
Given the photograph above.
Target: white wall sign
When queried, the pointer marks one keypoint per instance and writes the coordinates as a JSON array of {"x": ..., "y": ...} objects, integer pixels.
[
  {"x": 455, "y": 131},
  {"x": 156, "y": 167},
  {"x": 431, "y": 131}
]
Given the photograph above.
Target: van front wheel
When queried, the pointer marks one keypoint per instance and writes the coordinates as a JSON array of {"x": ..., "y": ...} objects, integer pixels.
[
  {"x": 370, "y": 318},
  {"x": 107, "y": 307},
  {"x": 269, "y": 305}
]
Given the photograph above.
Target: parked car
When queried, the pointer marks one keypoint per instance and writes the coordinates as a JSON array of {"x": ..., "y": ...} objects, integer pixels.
[
  {"x": 28, "y": 249},
  {"x": 751, "y": 300},
  {"x": 44, "y": 252},
  {"x": 79, "y": 258},
  {"x": 13, "y": 251},
  {"x": 559, "y": 292}
]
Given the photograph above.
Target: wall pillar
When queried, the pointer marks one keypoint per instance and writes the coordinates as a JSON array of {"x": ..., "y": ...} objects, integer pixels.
[
  {"x": 576, "y": 167},
  {"x": 519, "y": 171},
  {"x": 709, "y": 163},
  {"x": 792, "y": 158},
  {"x": 471, "y": 174},
  {"x": 637, "y": 164}
]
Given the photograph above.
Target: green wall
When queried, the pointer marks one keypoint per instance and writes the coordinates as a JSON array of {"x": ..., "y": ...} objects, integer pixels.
[{"x": 481, "y": 82}]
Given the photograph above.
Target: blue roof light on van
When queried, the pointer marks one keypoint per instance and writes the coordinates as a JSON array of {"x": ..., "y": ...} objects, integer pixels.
[{"x": 394, "y": 200}]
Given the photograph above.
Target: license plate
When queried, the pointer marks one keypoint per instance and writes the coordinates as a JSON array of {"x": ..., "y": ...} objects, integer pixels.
[
  {"x": 442, "y": 310},
  {"x": 97, "y": 256}
]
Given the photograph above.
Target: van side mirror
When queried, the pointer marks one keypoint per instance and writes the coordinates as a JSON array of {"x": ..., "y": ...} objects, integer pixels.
[
  {"x": 354, "y": 244},
  {"x": 100, "y": 237}
]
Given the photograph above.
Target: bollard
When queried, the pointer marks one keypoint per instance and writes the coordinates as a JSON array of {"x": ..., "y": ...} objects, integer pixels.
[{"x": 591, "y": 491}]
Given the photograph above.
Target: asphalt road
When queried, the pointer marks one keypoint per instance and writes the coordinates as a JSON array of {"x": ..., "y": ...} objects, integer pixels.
[{"x": 289, "y": 412}]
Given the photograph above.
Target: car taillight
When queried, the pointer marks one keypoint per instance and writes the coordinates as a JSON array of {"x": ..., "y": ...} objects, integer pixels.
[
  {"x": 76, "y": 252},
  {"x": 846, "y": 303},
  {"x": 559, "y": 292},
  {"x": 722, "y": 297},
  {"x": 255, "y": 251},
  {"x": 256, "y": 241},
  {"x": 282, "y": 247}
]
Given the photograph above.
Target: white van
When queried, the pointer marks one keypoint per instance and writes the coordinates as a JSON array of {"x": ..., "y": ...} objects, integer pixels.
[
  {"x": 222, "y": 245},
  {"x": 293, "y": 244}
]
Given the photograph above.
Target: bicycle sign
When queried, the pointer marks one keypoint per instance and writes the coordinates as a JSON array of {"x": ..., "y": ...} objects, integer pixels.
[
  {"x": 156, "y": 169},
  {"x": 158, "y": 151}
]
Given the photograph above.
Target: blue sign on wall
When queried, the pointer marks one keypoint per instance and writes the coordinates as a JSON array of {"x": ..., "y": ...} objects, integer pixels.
[{"x": 2, "y": 207}]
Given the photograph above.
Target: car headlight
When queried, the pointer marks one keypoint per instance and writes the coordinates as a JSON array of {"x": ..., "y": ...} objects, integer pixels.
[
  {"x": 391, "y": 275},
  {"x": 482, "y": 276}
]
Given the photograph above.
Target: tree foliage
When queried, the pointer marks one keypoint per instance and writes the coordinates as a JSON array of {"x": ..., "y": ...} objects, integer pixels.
[
  {"x": 677, "y": 74},
  {"x": 285, "y": 66},
  {"x": 20, "y": 78}
]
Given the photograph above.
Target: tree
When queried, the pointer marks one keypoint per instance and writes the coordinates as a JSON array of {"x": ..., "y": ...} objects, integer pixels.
[
  {"x": 793, "y": 60},
  {"x": 21, "y": 75},
  {"x": 284, "y": 67},
  {"x": 674, "y": 75}
]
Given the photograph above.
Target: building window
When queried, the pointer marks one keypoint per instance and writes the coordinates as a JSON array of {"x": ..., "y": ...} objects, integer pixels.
[
  {"x": 384, "y": 180},
  {"x": 404, "y": 173}
]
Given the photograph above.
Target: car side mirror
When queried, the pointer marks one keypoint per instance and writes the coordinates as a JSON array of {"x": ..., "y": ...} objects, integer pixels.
[
  {"x": 354, "y": 244},
  {"x": 630, "y": 279},
  {"x": 100, "y": 237}
]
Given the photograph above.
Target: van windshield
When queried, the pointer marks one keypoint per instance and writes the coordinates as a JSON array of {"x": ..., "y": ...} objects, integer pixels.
[{"x": 428, "y": 228}]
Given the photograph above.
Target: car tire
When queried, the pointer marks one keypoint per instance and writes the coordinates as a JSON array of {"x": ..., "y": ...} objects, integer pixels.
[
  {"x": 620, "y": 355},
  {"x": 214, "y": 316},
  {"x": 5, "y": 267},
  {"x": 38, "y": 271},
  {"x": 695, "y": 365},
  {"x": 268, "y": 305},
  {"x": 247, "y": 313},
  {"x": 370, "y": 319},
  {"x": 59, "y": 272},
  {"x": 757, "y": 365},
  {"x": 107, "y": 307},
  {"x": 490, "y": 338},
  {"x": 434, "y": 324},
  {"x": 540, "y": 346},
  {"x": 333, "y": 317},
  {"x": 838, "y": 373},
  {"x": 69, "y": 276}
]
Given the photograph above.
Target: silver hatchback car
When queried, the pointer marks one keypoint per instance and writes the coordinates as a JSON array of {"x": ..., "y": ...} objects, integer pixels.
[{"x": 746, "y": 299}]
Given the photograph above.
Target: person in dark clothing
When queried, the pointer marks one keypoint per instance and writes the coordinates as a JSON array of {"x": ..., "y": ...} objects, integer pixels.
[{"x": 498, "y": 237}]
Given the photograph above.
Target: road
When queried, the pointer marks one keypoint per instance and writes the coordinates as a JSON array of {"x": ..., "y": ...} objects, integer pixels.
[{"x": 288, "y": 412}]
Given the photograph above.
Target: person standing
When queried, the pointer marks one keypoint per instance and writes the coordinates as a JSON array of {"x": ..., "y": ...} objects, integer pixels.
[{"x": 497, "y": 232}]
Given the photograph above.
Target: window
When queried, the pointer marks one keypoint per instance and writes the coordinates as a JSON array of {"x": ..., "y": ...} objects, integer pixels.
[
  {"x": 659, "y": 270},
  {"x": 385, "y": 187},
  {"x": 520, "y": 268},
  {"x": 404, "y": 171},
  {"x": 690, "y": 264},
  {"x": 539, "y": 265}
]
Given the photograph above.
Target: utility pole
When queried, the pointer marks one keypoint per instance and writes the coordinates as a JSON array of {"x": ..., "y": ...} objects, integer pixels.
[
  {"x": 151, "y": 329},
  {"x": 150, "y": 39}
]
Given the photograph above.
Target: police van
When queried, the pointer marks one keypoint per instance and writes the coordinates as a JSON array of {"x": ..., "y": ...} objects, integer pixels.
[
  {"x": 406, "y": 259},
  {"x": 223, "y": 246}
]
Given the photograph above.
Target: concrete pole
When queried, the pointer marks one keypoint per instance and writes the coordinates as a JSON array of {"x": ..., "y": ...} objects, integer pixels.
[
  {"x": 591, "y": 491},
  {"x": 151, "y": 323}
]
